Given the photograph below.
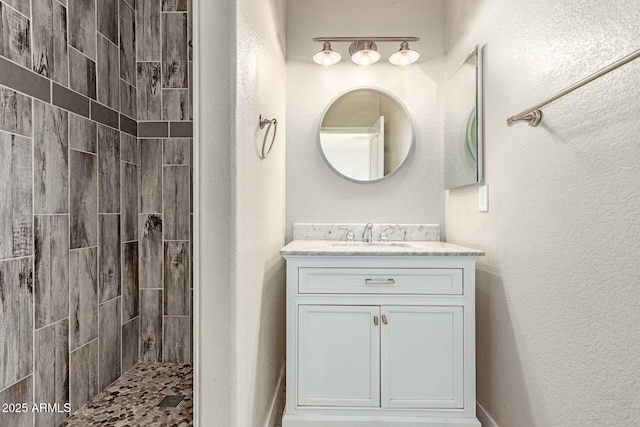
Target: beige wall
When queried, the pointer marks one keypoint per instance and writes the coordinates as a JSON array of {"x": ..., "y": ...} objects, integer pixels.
[
  {"x": 557, "y": 317},
  {"x": 314, "y": 193},
  {"x": 240, "y": 209}
]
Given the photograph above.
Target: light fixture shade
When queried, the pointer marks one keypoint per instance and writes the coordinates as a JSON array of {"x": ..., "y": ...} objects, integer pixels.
[
  {"x": 327, "y": 57},
  {"x": 364, "y": 53},
  {"x": 404, "y": 57}
]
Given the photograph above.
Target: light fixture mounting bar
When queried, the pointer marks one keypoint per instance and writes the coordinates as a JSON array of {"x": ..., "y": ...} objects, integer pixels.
[{"x": 371, "y": 39}]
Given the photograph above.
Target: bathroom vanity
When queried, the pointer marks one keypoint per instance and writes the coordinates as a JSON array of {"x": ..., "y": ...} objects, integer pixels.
[{"x": 380, "y": 334}]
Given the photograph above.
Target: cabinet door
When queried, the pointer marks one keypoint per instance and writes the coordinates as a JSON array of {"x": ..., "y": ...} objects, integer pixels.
[
  {"x": 422, "y": 357},
  {"x": 339, "y": 356}
]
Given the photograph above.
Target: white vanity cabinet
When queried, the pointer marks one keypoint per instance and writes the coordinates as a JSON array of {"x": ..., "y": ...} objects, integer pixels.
[{"x": 380, "y": 339}]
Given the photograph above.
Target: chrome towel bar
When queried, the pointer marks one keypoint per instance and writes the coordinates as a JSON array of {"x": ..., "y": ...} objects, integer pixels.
[{"x": 533, "y": 115}]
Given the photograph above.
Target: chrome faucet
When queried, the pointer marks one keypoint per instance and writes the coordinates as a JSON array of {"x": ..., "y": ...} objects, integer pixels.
[{"x": 367, "y": 236}]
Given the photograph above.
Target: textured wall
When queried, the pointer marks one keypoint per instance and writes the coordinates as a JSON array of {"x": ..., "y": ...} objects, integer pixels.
[
  {"x": 69, "y": 185},
  {"x": 164, "y": 81},
  {"x": 558, "y": 296},
  {"x": 259, "y": 193},
  {"x": 314, "y": 192},
  {"x": 241, "y": 201}
]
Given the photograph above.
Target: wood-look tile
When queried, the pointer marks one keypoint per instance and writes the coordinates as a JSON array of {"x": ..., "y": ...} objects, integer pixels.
[
  {"x": 177, "y": 151},
  {"x": 16, "y": 208},
  {"x": 174, "y": 5},
  {"x": 108, "y": 19},
  {"x": 130, "y": 341},
  {"x": 150, "y": 229},
  {"x": 151, "y": 325},
  {"x": 130, "y": 284},
  {"x": 148, "y": 37},
  {"x": 83, "y": 290},
  {"x": 51, "y": 371},
  {"x": 108, "y": 170},
  {"x": 82, "y": 26},
  {"x": 82, "y": 74},
  {"x": 51, "y": 142},
  {"x": 190, "y": 90},
  {"x": 109, "y": 268},
  {"x": 83, "y": 374},
  {"x": 15, "y": 36},
  {"x": 19, "y": 393},
  {"x": 108, "y": 77},
  {"x": 150, "y": 175},
  {"x": 51, "y": 290},
  {"x": 177, "y": 339},
  {"x": 176, "y": 278},
  {"x": 84, "y": 199},
  {"x": 131, "y": 3},
  {"x": 149, "y": 91},
  {"x": 109, "y": 342},
  {"x": 175, "y": 104},
  {"x": 16, "y": 322},
  {"x": 128, "y": 100},
  {"x": 127, "y": 43},
  {"x": 174, "y": 51},
  {"x": 15, "y": 112},
  {"x": 50, "y": 57},
  {"x": 21, "y": 6},
  {"x": 191, "y": 258},
  {"x": 129, "y": 204},
  {"x": 190, "y": 31},
  {"x": 82, "y": 134},
  {"x": 129, "y": 148},
  {"x": 176, "y": 202}
]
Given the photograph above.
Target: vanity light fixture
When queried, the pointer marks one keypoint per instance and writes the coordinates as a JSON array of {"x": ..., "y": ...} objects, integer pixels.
[
  {"x": 364, "y": 51},
  {"x": 404, "y": 57},
  {"x": 327, "y": 57}
]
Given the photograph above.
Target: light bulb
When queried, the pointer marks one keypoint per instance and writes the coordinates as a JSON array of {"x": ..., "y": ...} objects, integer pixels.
[
  {"x": 365, "y": 61},
  {"x": 404, "y": 61},
  {"x": 327, "y": 61}
]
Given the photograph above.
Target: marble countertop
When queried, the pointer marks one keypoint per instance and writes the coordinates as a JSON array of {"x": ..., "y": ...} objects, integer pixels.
[{"x": 392, "y": 248}]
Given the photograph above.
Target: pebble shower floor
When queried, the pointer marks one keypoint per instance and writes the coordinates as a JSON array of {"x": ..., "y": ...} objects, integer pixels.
[{"x": 132, "y": 400}]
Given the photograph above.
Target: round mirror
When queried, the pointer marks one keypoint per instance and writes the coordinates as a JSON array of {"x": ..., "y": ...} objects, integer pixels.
[{"x": 365, "y": 135}]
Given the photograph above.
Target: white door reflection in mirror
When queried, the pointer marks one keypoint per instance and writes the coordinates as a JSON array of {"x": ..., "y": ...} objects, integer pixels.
[{"x": 365, "y": 135}]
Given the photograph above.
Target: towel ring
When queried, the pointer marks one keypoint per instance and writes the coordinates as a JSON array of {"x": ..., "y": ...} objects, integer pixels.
[{"x": 271, "y": 122}]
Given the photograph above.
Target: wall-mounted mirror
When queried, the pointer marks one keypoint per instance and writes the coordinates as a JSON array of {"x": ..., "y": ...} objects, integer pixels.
[
  {"x": 365, "y": 135},
  {"x": 463, "y": 148}
]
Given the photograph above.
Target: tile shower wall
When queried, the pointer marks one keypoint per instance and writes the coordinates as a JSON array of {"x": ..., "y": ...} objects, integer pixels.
[
  {"x": 95, "y": 224},
  {"x": 65, "y": 131},
  {"x": 163, "y": 81}
]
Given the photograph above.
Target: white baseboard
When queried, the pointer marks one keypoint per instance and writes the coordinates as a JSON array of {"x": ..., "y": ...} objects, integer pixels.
[
  {"x": 483, "y": 416},
  {"x": 275, "y": 402}
]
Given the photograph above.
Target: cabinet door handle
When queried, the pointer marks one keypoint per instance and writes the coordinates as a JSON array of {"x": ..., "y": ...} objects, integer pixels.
[
  {"x": 375, "y": 320},
  {"x": 379, "y": 281},
  {"x": 384, "y": 319}
]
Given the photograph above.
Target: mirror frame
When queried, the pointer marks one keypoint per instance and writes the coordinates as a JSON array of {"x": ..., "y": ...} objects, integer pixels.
[
  {"x": 397, "y": 101},
  {"x": 479, "y": 120}
]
